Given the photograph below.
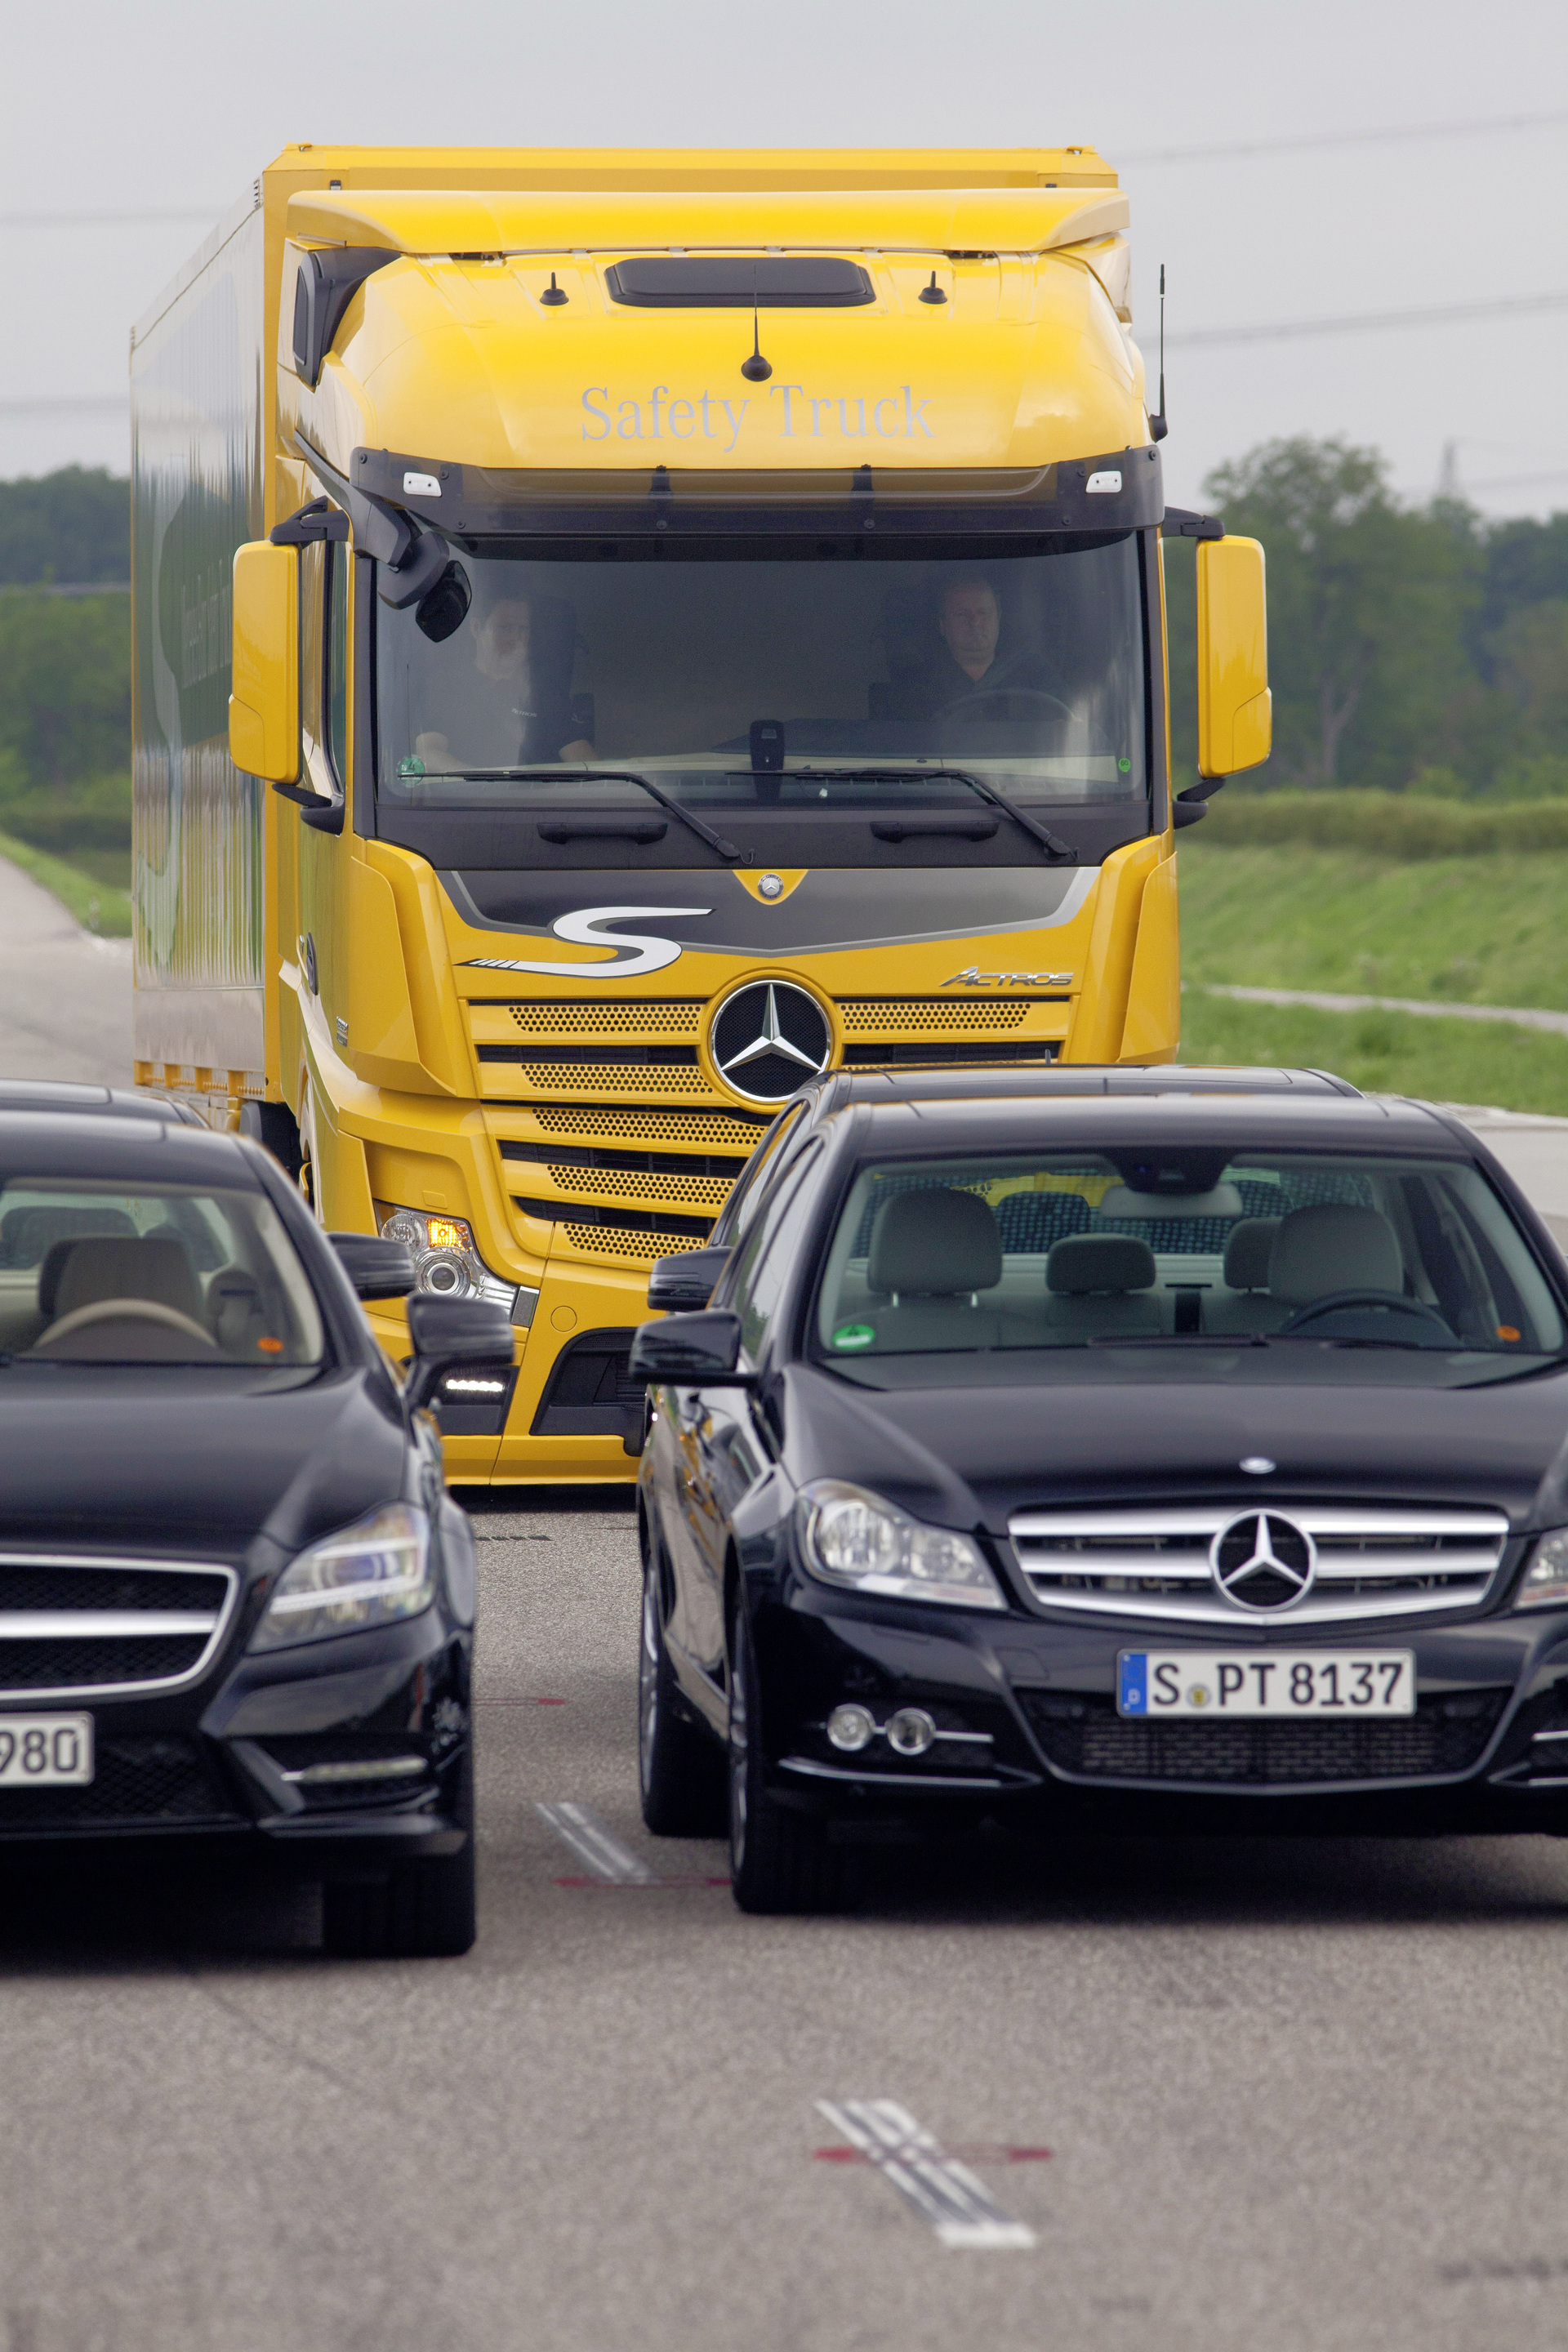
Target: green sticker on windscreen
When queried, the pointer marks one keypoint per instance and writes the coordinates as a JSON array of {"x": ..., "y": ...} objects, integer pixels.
[
  {"x": 854, "y": 1335},
  {"x": 1126, "y": 766}
]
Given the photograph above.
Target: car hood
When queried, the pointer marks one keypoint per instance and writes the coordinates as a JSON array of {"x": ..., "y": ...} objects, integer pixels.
[
  {"x": 968, "y": 1457},
  {"x": 192, "y": 1463}
]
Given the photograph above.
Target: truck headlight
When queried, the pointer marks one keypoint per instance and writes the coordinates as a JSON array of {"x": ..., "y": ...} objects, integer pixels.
[
  {"x": 858, "y": 1541},
  {"x": 373, "y": 1573},
  {"x": 446, "y": 1263},
  {"x": 1544, "y": 1584}
]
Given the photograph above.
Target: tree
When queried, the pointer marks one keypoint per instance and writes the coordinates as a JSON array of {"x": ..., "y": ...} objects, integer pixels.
[
  {"x": 71, "y": 526},
  {"x": 1367, "y": 606}
]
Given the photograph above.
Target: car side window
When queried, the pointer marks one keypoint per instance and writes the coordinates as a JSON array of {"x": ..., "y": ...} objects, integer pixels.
[
  {"x": 751, "y": 1184},
  {"x": 768, "y": 1254}
]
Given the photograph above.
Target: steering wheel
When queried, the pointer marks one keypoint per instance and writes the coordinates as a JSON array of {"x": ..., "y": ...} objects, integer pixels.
[
  {"x": 123, "y": 1310},
  {"x": 965, "y": 704},
  {"x": 1388, "y": 1302}
]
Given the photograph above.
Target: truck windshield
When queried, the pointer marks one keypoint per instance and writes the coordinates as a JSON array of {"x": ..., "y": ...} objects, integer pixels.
[{"x": 739, "y": 682}]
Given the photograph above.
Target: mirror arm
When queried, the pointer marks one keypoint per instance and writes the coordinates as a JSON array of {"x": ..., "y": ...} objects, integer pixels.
[
  {"x": 318, "y": 519},
  {"x": 1181, "y": 522}
]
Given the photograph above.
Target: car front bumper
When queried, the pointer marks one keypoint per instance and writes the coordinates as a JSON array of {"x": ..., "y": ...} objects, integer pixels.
[{"x": 1027, "y": 1720}]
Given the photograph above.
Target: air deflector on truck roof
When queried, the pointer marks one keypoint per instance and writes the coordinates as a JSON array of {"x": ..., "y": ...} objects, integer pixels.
[{"x": 774, "y": 282}]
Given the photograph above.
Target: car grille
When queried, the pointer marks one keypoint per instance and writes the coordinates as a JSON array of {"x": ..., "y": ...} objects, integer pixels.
[
  {"x": 608, "y": 1128},
  {"x": 1373, "y": 1563},
  {"x": 147, "y": 1783},
  {"x": 69, "y": 1626},
  {"x": 1086, "y": 1737}
]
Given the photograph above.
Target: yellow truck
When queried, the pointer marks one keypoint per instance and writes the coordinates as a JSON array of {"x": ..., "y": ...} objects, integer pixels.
[{"x": 618, "y": 634}]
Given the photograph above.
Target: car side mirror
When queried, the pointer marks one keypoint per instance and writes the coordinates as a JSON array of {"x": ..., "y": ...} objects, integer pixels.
[
  {"x": 377, "y": 1269},
  {"x": 703, "y": 1348},
  {"x": 685, "y": 1283},
  {"x": 462, "y": 1355},
  {"x": 264, "y": 705},
  {"x": 1236, "y": 724}
]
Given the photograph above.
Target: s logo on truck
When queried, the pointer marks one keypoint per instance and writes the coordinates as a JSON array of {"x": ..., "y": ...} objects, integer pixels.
[{"x": 583, "y": 927}]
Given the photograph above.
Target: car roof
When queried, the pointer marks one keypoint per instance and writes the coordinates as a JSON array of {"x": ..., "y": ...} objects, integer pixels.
[
  {"x": 67, "y": 1095},
  {"x": 56, "y": 1144},
  {"x": 948, "y": 1082},
  {"x": 1330, "y": 1122}
]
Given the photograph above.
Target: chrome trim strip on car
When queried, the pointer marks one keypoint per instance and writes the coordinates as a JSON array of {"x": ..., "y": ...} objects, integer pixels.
[
  {"x": 100, "y": 1624},
  {"x": 916, "y": 1779},
  {"x": 1373, "y": 1563},
  {"x": 116, "y": 1624}
]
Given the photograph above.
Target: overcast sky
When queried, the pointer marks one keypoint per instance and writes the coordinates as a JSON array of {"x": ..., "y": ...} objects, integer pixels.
[{"x": 177, "y": 104}]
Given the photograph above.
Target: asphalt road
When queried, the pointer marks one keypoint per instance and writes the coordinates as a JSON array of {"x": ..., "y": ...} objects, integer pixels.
[{"x": 1304, "y": 2095}]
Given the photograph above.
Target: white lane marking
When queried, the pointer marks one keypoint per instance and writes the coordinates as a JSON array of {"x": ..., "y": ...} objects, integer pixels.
[
  {"x": 599, "y": 1848},
  {"x": 946, "y": 2193}
]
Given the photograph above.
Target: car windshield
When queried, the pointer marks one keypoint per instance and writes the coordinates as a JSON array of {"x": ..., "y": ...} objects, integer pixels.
[
  {"x": 853, "y": 682},
  {"x": 1244, "y": 1264},
  {"x": 168, "y": 1274}
]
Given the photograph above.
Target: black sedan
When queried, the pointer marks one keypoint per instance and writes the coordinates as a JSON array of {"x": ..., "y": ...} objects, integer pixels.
[
  {"x": 1135, "y": 1462},
  {"x": 236, "y": 1601}
]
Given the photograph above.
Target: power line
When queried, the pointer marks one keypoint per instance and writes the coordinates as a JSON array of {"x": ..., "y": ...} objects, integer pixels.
[
  {"x": 1398, "y": 132},
  {"x": 187, "y": 212},
  {"x": 1368, "y": 321},
  {"x": 1391, "y": 134}
]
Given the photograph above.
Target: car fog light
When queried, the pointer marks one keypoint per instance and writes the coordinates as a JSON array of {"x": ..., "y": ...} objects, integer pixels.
[
  {"x": 911, "y": 1731},
  {"x": 850, "y": 1727}
]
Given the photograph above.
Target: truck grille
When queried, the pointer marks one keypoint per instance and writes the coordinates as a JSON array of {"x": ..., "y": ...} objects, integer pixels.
[
  {"x": 1373, "y": 1563},
  {"x": 72, "y": 1626},
  {"x": 573, "y": 1087},
  {"x": 1086, "y": 1737}
]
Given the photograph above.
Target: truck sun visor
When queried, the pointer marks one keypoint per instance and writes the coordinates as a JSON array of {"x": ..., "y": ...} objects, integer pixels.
[
  {"x": 326, "y": 285},
  {"x": 775, "y": 281}
]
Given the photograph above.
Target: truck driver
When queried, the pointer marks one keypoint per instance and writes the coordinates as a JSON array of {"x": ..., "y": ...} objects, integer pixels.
[{"x": 513, "y": 717}]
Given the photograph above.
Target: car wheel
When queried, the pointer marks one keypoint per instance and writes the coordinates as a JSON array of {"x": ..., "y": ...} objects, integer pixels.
[
  {"x": 681, "y": 1767},
  {"x": 780, "y": 1860},
  {"x": 425, "y": 1909}
]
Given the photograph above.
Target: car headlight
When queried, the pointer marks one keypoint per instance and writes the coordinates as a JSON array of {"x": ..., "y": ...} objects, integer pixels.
[
  {"x": 374, "y": 1573},
  {"x": 1544, "y": 1584},
  {"x": 446, "y": 1263},
  {"x": 856, "y": 1540}
]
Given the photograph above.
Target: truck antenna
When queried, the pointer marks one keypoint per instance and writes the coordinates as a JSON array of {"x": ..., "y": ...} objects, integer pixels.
[
  {"x": 756, "y": 370},
  {"x": 1159, "y": 425}
]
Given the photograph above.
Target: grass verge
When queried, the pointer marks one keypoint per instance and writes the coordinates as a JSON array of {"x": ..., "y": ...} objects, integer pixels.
[
  {"x": 1477, "y": 930},
  {"x": 1385, "y": 1053},
  {"x": 97, "y": 906}
]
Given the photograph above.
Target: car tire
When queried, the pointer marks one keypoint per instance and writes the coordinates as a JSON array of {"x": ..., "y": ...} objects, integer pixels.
[
  {"x": 423, "y": 1909},
  {"x": 681, "y": 1767},
  {"x": 780, "y": 1859}
]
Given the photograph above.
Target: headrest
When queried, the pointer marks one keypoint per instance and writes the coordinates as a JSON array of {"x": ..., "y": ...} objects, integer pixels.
[
  {"x": 934, "y": 1244},
  {"x": 81, "y": 1274},
  {"x": 1319, "y": 1251},
  {"x": 26, "y": 1234},
  {"x": 1247, "y": 1252},
  {"x": 1086, "y": 1261}
]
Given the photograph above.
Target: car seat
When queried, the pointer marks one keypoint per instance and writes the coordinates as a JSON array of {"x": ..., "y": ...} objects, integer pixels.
[
  {"x": 1094, "y": 1281},
  {"x": 932, "y": 1252},
  {"x": 1245, "y": 1304},
  {"x": 1333, "y": 1248}
]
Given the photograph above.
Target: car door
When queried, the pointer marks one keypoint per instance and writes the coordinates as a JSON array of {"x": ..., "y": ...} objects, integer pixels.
[{"x": 723, "y": 1449}]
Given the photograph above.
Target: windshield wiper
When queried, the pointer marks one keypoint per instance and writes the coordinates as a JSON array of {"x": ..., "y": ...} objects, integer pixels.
[
  {"x": 716, "y": 841},
  {"x": 1177, "y": 1339},
  {"x": 1047, "y": 839}
]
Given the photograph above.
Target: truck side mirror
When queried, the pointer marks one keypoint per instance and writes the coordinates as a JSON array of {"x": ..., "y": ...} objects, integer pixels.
[
  {"x": 264, "y": 707},
  {"x": 1236, "y": 725}
]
